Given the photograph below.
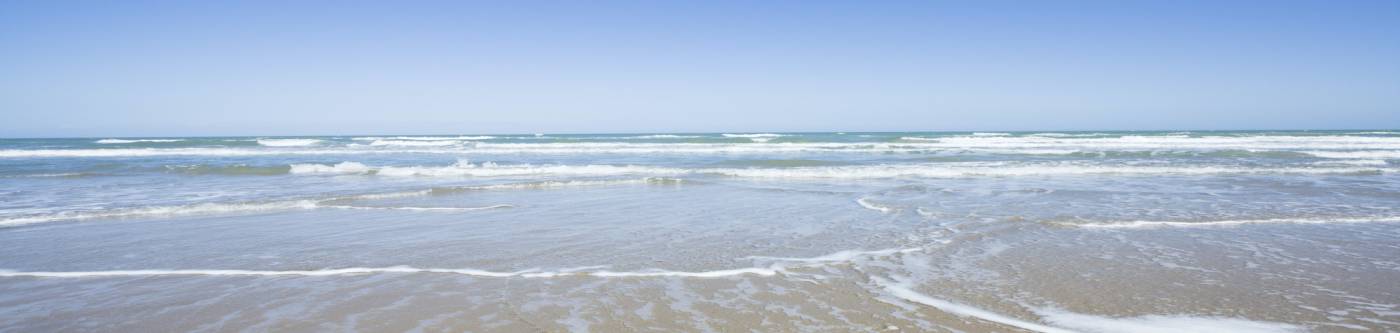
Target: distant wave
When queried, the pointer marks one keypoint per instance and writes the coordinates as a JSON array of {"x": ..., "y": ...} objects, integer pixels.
[
  {"x": 341, "y": 168},
  {"x": 940, "y": 170},
  {"x": 425, "y": 138},
  {"x": 1067, "y": 135},
  {"x": 146, "y": 152},
  {"x": 416, "y": 143},
  {"x": 1371, "y": 154},
  {"x": 759, "y": 137},
  {"x": 1358, "y": 147},
  {"x": 120, "y": 141},
  {"x": 663, "y": 136},
  {"x": 1354, "y": 162},
  {"x": 288, "y": 142}
]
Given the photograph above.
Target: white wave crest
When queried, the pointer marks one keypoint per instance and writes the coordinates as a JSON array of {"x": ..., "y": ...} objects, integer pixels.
[
  {"x": 663, "y": 136},
  {"x": 996, "y": 170},
  {"x": 118, "y": 141},
  {"x": 577, "y": 183},
  {"x": 778, "y": 265},
  {"x": 939, "y": 170},
  {"x": 425, "y": 138},
  {"x": 421, "y": 209},
  {"x": 159, "y": 211},
  {"x": 488, "y": 169},
  {"x": 416, "y": 143},
  {"x": 840, "y": 256},
  {"x": 288, "y": 142},
  {"x": 1369, "y": 154},
  {"x": 396, "y": 269},
  {"x": 1226, "y": 223},
  {"x": 341, "y": 168},
  {"x": 1354, "y": 162},
  {"x": 865, "y": 202},
  {"x": 758, "y": 135}
]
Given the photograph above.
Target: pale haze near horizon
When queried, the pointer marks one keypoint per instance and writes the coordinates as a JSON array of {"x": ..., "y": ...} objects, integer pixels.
[{"x": 309, "y": 68}]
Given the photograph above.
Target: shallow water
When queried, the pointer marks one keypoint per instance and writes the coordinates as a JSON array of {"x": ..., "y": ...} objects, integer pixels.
[{"x": 1052, "y": 232}]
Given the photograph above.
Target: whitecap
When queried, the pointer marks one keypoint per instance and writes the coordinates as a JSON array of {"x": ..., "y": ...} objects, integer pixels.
[
  {"x": 426, "y": 138},
  {"x": 416, "y": 143},
  {"x": 758, "y": 135},
  {"x": 340, "y": 168},
  {"x": 1366, "y": 154},
  {"x": 420, "y": 209},
  {"x": 120, "y": 141},
  {"x": 937, "y": 170},
  {"x": 288, "y": 142}
]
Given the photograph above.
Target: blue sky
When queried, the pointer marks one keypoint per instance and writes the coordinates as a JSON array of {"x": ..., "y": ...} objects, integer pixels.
[{"x": 307, "y": 67}]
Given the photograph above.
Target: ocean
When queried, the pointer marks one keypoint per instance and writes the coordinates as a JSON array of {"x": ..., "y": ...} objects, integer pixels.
[{"x": 1200, "y": 231}]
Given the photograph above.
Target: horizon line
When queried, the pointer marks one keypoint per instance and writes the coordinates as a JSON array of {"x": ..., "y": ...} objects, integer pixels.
[{"x": 718, "y": 132}]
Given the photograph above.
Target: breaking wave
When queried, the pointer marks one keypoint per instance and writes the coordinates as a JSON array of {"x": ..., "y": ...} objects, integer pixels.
[
  {"x": 288, "y": 142},
  {"x": 121, "y": 141},
  {"x": 417, "y": 143},
  {"x": 425, "y": 138},
  {"x": 341, "y": 168},
  {"x": 941, "y": 170}
]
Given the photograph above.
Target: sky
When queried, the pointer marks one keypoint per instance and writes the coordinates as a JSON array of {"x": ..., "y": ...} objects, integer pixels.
[{"x": 192, "y": 68}]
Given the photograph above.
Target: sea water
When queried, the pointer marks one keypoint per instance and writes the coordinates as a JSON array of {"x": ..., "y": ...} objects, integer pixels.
[{"x": 1257, "y": 231}]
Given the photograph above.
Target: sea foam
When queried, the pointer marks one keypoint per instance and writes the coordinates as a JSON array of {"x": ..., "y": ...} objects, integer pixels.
[
  {"x": 120, "y": 141},
  {"x": 288, "y": 142},
  {"x": 1141, "y": 224},
  {"x": 940, "y": 170}
]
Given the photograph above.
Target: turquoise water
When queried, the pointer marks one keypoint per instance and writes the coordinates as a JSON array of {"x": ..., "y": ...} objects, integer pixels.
[{"x": 1040, "y": 231}]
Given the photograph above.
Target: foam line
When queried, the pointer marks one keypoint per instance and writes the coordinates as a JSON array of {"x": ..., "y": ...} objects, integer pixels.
[
  {"x": 928, "y": 170},
  {"x": 1162, "y": 323},
  {"x": 120, "y": 141},
  {"x": 1226, "y": 223},
  {"x": 426, "y": 209},
  {"x": 903, "y": 291},
  {"x": 865, "y": 202},
  {"x": 221, "y": 208},
  {"x": 288, "y": 142},
  {"x": 395, "y": 269}
]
